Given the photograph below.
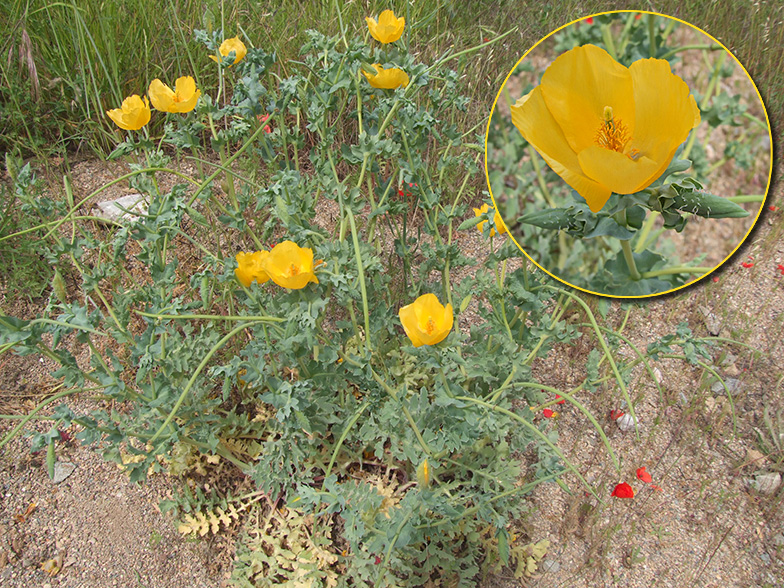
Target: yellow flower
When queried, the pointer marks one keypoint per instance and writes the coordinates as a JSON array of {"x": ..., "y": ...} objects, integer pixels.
[
  {"x": 426, "y": 321},
  {"x": 499, "y": 223},
  {"x": 290, "y": 266},
  {"x": 230, "y": 45},
  {"x": 604, "y": 127},
  {"x": 388, "y": 29},
  {"x": 387, "y": 79},
  {"x": 133, "y": 114},
  {"x": 250, "y": 267},
  {"x": 182, "y": 99}
]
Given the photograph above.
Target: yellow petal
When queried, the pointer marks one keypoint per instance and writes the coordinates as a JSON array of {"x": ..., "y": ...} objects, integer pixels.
[
  {"x": 666, "y": 112},
  {"x": 186, "y": 94},
  {"x": 535, "y": 122},
  {"x": 161, "y": 95},
  {"x": 233, "y": 44},
  {"x": 388, "y": 29},
  {"x": 577, "y": 87},
  {"x": 432, "y": 321},
  {"x": 387, "y": 79},
  {"x": 618, "y": 171},
  {"x": 133, "y": 114},
  {"x": 408, "y": 319},
  {"x": 290, "y": 266}
]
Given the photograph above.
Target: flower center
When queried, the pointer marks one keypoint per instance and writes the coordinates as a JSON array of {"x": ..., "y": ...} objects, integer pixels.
[
  {"x": 431, "y": 326},
  {"x": 612, "y": 133},
  {"x": 293, "y": 270}
]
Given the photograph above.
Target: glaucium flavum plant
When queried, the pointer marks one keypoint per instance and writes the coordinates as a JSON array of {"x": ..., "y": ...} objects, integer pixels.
[{"x": 617, "y": 134}]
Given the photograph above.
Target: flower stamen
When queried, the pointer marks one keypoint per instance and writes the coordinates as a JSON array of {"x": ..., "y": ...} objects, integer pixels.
[
  {"x": 431, "y": 326},
  {"x": 612, "y": 133}
]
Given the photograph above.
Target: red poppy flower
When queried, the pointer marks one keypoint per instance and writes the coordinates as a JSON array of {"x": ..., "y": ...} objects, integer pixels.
[
  {"x": 773, "y": 208},
  {"x": 548, "y": 414},
  {"x": 265, "y": 118},
  {"x": 715, "y": 278},
  {"x": 623, "y": 490},
  {"x": 644, "y": 476},
  {"x": 589, "y": 20},
  {"x": 559, "y": 399},
  {"x": 780, "y": 268},
  {"x": 638, "y": 17},
  {"x": 748, "y": 264},
  {"x": 615, "y": 414}
]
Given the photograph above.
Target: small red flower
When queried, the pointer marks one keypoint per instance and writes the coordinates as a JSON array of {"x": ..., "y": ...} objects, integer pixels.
[
  {"x": 589, "y": 20},
  {"x": 748, "y": 264},
  {"x": 548, "y": 414},
  {"x": 715, "y": 278},
  {"x": 615, "y": 414},
  {"x": 623, "y": 490},
  {"x": 487, "y": 39},
  {"x": 559, "y": 399},
  {"x": 780, "y": 268},
  {"x": 644, "y": 476},
  {"x": 378, "y": 560},
  {"x": 265, "y": 118},
  {"x": 638, "y": 17},
  {"x": 657, "y": 488},
  {"x": 773, "y": 208}
]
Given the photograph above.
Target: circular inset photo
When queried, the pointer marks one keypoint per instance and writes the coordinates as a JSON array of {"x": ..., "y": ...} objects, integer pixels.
[{"x": 629, "y": 154}]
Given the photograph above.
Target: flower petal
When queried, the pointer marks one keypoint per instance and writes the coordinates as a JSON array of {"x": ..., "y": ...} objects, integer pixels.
[
  {"x": 619, "y": 172},
  {"x": 577, "y": 87},
  {"x": 533, "y": 119},
  {"x": 161, "y": 95},
  {"x": 408, "y": 319},
  {"x": 665, "y": 110}
]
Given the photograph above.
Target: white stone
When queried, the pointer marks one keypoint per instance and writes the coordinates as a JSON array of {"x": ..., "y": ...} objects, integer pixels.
[
  {"x": 767, "y": 483},
  {"x": 626, "y": 422},
  {"x": 110, "y": 209},
  {"x": 62, "y": 469}
]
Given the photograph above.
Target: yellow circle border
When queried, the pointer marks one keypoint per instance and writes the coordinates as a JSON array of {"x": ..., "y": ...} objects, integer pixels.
[{"x": 767, "y": 120}]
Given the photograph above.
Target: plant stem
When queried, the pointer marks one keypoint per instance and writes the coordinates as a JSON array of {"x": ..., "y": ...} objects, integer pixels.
[
  {"x": 628, "y": 255},
  {"x": 667, "y": 271}
]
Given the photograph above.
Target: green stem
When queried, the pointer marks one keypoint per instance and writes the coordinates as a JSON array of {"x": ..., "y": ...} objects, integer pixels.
[
  {"x": 628, "y": 255},
  {"x": 668, "y": 271}
]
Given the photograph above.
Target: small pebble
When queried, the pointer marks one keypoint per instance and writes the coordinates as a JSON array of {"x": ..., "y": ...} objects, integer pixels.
[
  {"x": 62, "y": 469},
  {"x": 733, "y": 385},
  {"x": 778, "y": 540},
  {"x": 626, "y": 422},
  {"x": 550, "y": 565},
  {"x": 767, "y": 483}
]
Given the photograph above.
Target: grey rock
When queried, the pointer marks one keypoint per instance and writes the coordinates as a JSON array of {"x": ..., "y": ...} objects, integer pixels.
[
  {"x": 112, "y": 210},
  {"x": 626, "y": 422},
  {"x": 733, "y": 385},
  {"x": 550, "y": 565},
  {"x": 62, "y": 469},
  {"x": 767, "y": 483},
  {"x": 778, "y": 540}
]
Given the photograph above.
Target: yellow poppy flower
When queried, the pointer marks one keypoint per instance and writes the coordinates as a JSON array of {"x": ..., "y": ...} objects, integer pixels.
[
  {"x": 499, "y": 223},
  {"x": 230, "y": 45},
  {"x": 387, "y": 79},
  {"x": 388, "y": 29},
  {"x": 604, "y": 127},
  {"x": 182, "y": 99},
  {"x": 133, "y": 114},
  {"x": 290, "y": 266},
  {"x": 426, "y": 321},
  {"x": 250, "y": 267}
]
